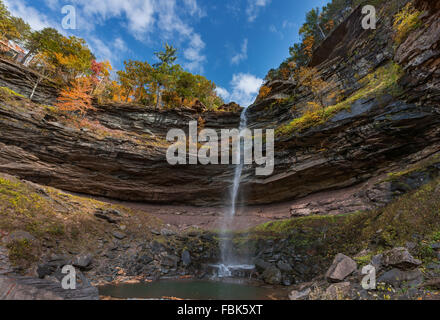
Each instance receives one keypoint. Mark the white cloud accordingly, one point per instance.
(242, 55)
(166, 20)
(120, 44)
(254, 7)
(245, 88)
(223, 93)
(36, 19)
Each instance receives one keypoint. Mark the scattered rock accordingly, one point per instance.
(167, 233)
(341, 268)
(400, 258)
(102, 215)
(300, 295)
(155, 232)
(18, 235)
(436, 246)
(119, 235)
(338, 291)
(83, 262)
(377, 261)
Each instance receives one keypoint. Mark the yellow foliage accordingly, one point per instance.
(405, 21)
(264, 92)
(383, 80)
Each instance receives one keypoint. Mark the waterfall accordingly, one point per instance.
(228, 262)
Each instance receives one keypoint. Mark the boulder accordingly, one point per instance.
(398, 278)
(170, 261)
(341, 268)
(261, 265)
(338, 291)
(400, 258)
(119, 235)
(83, 262)
(283, 266)
(167, 233)
(186, 258)
(272, 275)
(300, 295)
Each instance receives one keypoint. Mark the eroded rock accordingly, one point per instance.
(341, 268)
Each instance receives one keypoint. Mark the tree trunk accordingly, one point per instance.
(35, 88)
(158, 97)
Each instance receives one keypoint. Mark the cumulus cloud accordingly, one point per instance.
(166, 20)
(245, 88)
(36, 19)
(242, 55)
(254, 7)
(223, 93)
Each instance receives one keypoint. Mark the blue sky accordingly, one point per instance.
(231, 42)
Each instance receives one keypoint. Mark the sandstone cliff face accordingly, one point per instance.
(22, 80)
(377, 134)
(129, 164)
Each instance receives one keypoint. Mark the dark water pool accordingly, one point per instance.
(188, 289)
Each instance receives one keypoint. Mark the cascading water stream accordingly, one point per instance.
(228, 261)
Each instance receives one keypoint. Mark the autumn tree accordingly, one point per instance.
(321, 89)
(137, 80)
(7, 28)
(43, 41)
(76, 98)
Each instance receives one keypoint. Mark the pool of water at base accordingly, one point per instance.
(189, 289)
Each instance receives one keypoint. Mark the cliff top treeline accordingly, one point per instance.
(72, 65)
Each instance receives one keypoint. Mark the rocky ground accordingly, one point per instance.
(360, 188)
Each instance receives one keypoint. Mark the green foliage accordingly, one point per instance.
(5, 93)
(168, 82)
(405, 21)
(414, 214)
(22, 252)
(383, 80)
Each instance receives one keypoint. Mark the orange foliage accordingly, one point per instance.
(330, 25)
(77, 98)
(309, 42)
(264, 92)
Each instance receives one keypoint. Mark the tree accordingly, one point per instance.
(23, 29)
(136, 80)
(44, 68)
(163, 70)
(46, 40)
(8, 30)
(320, 88)
(77, 98)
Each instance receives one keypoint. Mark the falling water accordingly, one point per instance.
(228, 261)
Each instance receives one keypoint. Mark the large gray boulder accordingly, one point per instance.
(398, 278)
(400, 258)
(341, 268)
(25, 288)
